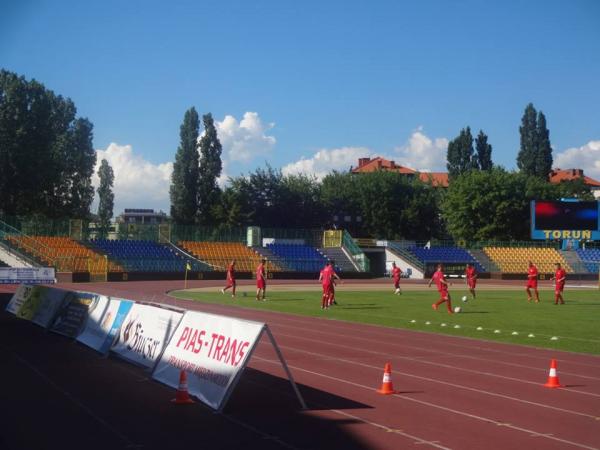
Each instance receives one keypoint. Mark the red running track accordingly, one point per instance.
(453, 392)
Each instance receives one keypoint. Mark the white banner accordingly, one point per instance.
(29, 275)
(145, 333)
(103, 322)
(213, 350)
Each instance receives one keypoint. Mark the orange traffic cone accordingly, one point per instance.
(182, 397)
(553, 377)
(387, 386)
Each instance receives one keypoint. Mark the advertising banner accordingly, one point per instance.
(29, 275)
(70, 319)
(213, 350)
(145, 333)
(103, 323)
(31, 304)
(20, 296)
(51, 301)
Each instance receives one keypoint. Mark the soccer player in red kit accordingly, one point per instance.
(559, 284)
(532, 282)
(396, 272)
(471, 276)
(442, 286)
(261, 281)
(230, 279)
(327, 277)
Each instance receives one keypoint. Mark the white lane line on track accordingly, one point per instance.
(437, 352)
(444, 408)
(395, 332)
(422, 361)
(458, 386)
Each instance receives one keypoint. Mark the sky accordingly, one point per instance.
(311, 86)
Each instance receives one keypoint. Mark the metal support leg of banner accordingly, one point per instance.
(285, 367)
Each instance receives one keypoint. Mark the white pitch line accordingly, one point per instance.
(444, 408)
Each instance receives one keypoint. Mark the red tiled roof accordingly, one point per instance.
(437, 179)
(559, 175)
(366, 165)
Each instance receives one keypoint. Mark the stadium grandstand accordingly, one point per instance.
(162, 250)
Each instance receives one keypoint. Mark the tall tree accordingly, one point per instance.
(460, 153)
(184, 181)
(484, 152)
(543, 160)
(46, 153)
(526, 159)
(106, 197)
(209, 172)
(535, 155)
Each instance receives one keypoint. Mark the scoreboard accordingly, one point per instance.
(565, 219)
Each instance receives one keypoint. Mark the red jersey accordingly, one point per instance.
(560, 276)
(396, 273)
(231, 272)
(260, 271)
(532, 273)
(438, 277)
(327, 275)
(470, 273)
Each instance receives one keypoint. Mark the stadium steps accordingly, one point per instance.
(403, 253)
(484, 260)
(338, 255)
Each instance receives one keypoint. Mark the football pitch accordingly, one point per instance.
(499, 315)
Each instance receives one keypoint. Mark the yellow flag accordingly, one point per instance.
(188, 266)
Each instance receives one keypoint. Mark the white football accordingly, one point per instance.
(464, 299)
(457, 309)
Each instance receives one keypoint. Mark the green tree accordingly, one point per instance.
(535, 155)
(184, 180)
(46, 153)
(543, 161)
(526, 159)
(209, 172)
(106, 197)
(484, 152)
(495, 204)
(460, 153)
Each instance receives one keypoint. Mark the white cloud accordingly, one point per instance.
(422, 153)
(586, 157)
(246, 139)
(325, 160)
(138, 183)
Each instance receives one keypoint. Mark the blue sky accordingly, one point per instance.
(310, 86)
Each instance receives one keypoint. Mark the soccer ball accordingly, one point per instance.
(457, 309)
(464, 299)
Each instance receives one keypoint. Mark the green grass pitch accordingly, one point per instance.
(499, 315)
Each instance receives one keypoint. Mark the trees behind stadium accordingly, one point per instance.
(46, 152)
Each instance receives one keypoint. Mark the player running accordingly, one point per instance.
(261, 281)
(442, 287)
(559, 284)
(230, 279)
(532, 282)
(471, 277)
(396, 272)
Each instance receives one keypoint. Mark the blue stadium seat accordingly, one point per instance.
(141, 256)
(591, 258)
(445, 255)
(301, 258)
